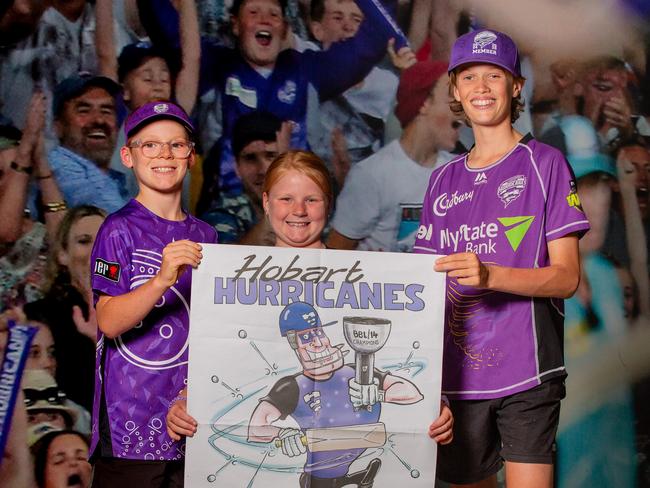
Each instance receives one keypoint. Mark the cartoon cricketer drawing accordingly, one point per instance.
(337, 406)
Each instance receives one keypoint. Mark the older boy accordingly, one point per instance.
(142, 297)
(508, 218)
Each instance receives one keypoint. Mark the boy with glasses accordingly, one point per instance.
(142, 297)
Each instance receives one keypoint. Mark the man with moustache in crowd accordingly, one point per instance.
(86, 125)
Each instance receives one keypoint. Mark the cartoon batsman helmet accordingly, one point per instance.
(299, 316)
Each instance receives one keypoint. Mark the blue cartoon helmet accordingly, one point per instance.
(299, 316)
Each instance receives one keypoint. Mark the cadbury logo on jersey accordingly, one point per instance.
(445, 201)
(107, 269)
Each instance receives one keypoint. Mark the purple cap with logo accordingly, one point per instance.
(485, 46)
(152, 111)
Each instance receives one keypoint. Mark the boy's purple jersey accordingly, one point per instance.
(497, 344)
(142, 370)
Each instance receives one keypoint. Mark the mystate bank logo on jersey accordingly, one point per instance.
(481, 238)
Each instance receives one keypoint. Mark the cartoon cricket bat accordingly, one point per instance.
(346, 437)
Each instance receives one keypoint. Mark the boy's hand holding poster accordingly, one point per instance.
(314, 368)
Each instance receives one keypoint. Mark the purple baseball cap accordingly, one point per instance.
(152, 111)
(485, 46)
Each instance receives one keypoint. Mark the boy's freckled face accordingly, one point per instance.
(261, 29)
(165, 172)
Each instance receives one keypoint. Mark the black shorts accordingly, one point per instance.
(117, 472)
(520, 428)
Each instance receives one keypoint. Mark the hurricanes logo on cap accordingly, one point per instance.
(310, 318)
(484, 38)
(161, 108)
(484, 43)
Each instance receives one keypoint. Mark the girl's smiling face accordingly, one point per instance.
(297, 210)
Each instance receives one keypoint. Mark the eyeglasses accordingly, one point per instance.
(51, 395)
(306, 336)
(153, 149)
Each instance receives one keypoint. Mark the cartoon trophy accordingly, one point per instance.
(366, 335)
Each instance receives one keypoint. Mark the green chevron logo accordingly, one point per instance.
(516, 228)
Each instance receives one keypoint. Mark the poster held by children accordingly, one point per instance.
(313, 368)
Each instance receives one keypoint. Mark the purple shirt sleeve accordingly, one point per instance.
(111, 261)
(564, 215)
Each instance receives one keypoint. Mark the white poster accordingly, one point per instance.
(315, 368)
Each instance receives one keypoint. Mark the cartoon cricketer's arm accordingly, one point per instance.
(261, 429)
(394, 389)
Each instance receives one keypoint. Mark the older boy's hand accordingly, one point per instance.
(441, 429)
(176, 257)
(466, 267)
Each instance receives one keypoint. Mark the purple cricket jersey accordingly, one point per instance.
(324, 403)
(497, 344)
(142, 370)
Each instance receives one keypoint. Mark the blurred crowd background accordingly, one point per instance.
(71, 71)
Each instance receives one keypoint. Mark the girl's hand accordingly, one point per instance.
(441, 429)
(178, 421)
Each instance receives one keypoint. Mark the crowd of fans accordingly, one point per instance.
(263, 76)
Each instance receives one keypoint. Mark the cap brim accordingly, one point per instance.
(461, 62)
(163, 116)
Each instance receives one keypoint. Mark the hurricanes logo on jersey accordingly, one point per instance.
(511, 189)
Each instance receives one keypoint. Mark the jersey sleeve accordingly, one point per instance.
(564, 214)
(358, 204)
(111, 261)
(284, 396)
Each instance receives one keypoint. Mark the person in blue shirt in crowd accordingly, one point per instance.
(259, 75)
(86, 125)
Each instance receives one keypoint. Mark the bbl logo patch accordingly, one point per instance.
(161, 108)
(108, 270)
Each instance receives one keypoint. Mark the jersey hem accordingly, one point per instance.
(508, 390)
